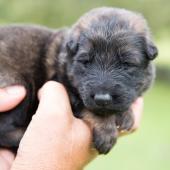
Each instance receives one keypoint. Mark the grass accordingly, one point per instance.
(163, 48)
(149, 147)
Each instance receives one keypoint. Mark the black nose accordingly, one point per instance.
(103, 99)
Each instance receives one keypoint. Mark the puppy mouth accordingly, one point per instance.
(107, 111)
(104, 112)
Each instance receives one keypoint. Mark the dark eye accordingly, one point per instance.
(83, 59)
(129, 59)
(130, 64)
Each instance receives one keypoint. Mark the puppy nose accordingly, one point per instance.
(103, 99)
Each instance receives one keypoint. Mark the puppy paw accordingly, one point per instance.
(125, 121)
(104, 139)
(105, 132)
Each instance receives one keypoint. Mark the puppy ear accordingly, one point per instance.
(151, 50)
(72, 47)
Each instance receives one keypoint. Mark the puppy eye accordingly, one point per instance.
(130, 64)
(130, 59)
(84, 59)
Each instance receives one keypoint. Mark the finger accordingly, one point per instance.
(54, 100)
(137, 109)
(6, 159)
(11, 97)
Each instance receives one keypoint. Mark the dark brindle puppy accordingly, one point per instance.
(104, 61)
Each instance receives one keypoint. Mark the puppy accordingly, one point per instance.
(104, 61)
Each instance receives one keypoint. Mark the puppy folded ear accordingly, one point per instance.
(151, 50)
(72, 47)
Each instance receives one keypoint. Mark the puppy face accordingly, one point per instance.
(109, 65)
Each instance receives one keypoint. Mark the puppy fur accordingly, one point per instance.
(103, 60)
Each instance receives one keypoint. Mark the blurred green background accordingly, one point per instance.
(149, 147)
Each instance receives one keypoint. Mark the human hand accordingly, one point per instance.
(71, 149)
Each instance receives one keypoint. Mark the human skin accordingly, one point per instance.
(55, 139)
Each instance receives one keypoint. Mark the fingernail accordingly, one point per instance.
(15, 90)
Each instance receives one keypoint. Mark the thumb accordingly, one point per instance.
(50, 95)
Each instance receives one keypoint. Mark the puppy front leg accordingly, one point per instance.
(105, 136)
(125, 121)
(105, 132)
